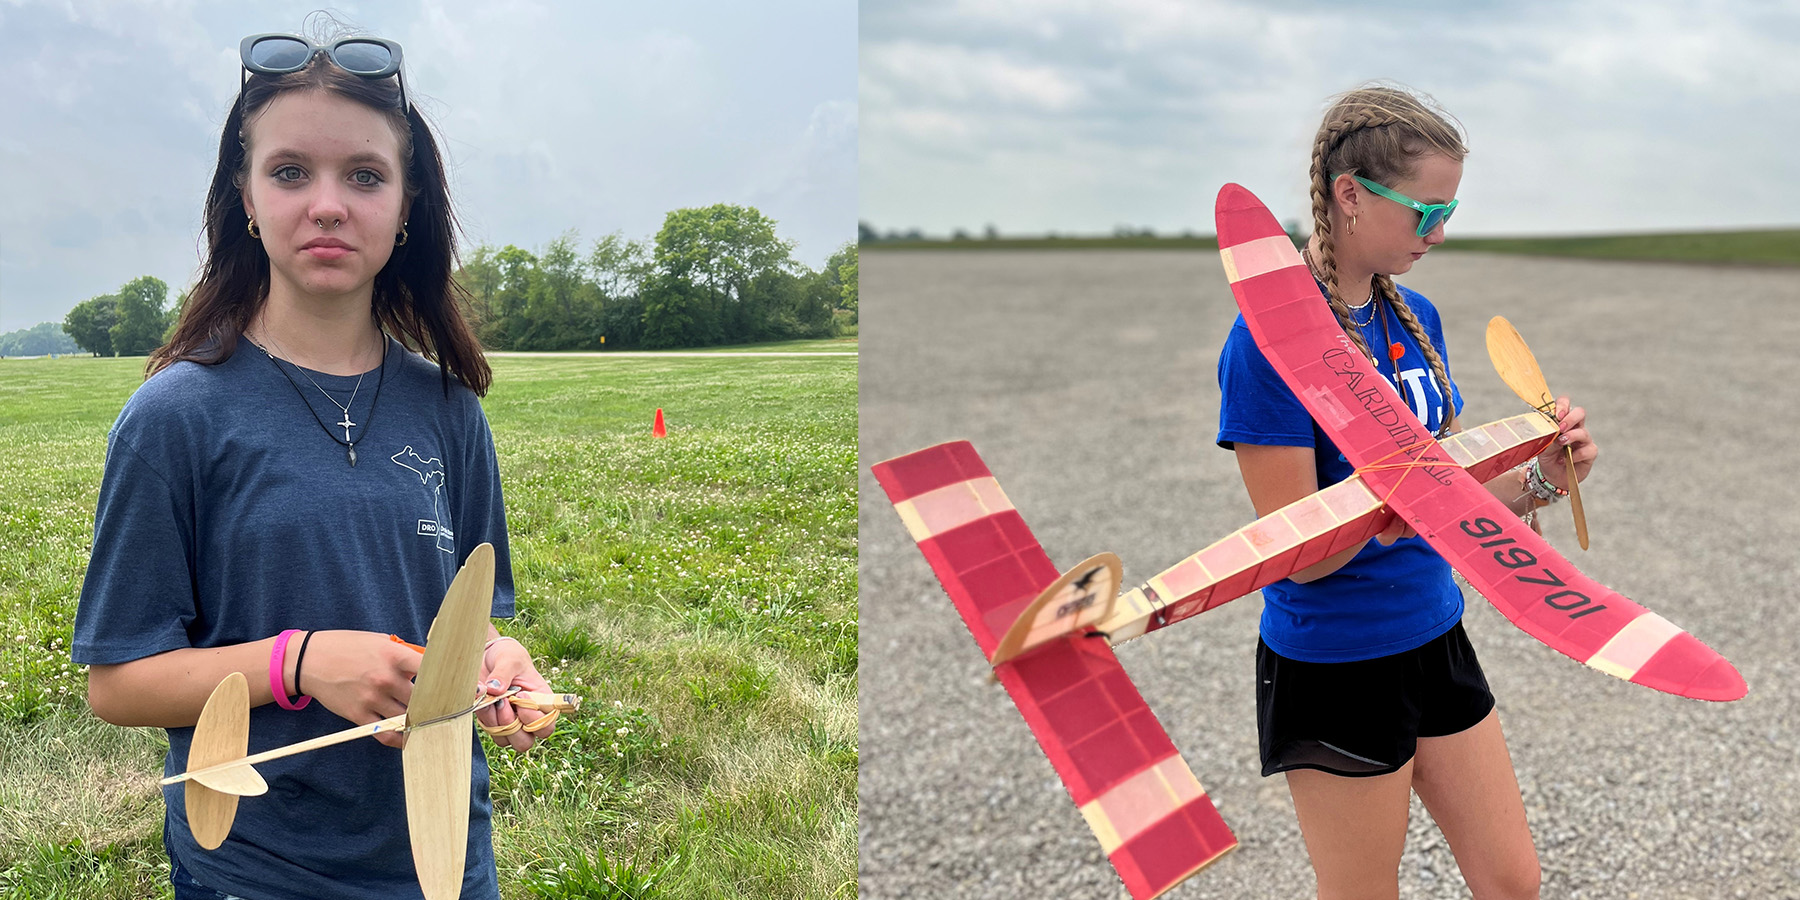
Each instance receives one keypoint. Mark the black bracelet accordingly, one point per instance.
(300, 659)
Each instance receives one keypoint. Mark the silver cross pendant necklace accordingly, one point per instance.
(346, 424)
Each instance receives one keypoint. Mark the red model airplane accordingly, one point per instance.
(1049, 638)
(1517, 570)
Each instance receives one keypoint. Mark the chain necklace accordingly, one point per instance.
(346, 424)
(1306, 255)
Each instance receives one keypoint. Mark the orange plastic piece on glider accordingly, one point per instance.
(657, 430)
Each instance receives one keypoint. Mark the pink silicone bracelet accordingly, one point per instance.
(277, 673)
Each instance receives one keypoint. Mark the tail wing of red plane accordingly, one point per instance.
(1151, 816)
(1527, 580)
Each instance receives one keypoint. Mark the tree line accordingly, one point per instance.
(713, 275)
(42, 339)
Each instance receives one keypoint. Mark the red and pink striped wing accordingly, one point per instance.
(1518, 571)
(1152, 817)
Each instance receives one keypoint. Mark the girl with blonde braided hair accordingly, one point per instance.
(1367, 687)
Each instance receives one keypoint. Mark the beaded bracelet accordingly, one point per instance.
(1539, 486)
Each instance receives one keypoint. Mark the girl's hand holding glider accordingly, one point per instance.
(360, 675)
(1572, 425)
(504, 665)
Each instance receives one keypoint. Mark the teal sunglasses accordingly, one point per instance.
(1431, 215)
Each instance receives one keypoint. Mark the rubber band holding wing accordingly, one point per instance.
(1515, 569)
(1153, 819)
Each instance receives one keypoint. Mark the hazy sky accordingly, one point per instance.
(1081, 115)
(598, 116)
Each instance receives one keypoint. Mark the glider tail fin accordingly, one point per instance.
(221, 735)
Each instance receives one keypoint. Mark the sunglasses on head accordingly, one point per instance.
(279, 54)
(1431, 215)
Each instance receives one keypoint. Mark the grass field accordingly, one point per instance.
(698, 591)
(1769, 246)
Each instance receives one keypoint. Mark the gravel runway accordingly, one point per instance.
(1087, 381)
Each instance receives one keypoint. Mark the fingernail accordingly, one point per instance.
(493, 682)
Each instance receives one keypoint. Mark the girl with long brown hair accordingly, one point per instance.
(299, 478)
(1367, 687)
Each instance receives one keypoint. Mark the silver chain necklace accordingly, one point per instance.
(1306, 256)
(346, 424)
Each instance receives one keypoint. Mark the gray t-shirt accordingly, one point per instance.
(227, 515)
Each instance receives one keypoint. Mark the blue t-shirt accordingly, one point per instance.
(1386, 599)
(226, 516)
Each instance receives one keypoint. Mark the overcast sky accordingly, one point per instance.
(1081, 115)
(598, 116)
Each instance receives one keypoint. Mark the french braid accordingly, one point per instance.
(1376, 131)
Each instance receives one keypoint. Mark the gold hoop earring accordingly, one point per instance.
(402, 241)
(1352, 224)
(252, 229)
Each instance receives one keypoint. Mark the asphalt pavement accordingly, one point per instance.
(1087, 381)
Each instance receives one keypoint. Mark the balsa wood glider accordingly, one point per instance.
(437, 722)
(1049, 637)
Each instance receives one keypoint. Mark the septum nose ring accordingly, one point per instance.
(334, 223)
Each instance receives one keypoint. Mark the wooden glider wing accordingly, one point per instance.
(438, 759)
(1152, 817)
(1518, 571)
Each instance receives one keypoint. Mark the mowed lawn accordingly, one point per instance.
(699, 591)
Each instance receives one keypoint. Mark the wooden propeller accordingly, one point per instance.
(1519, 369)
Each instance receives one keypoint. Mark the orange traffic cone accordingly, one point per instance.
(658, 430)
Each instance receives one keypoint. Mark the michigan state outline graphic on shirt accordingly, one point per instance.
(431, 475)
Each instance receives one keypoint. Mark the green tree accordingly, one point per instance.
(707, 258)
(669, 314)
(841, 270)
(618, 269)
(174, 317)
(618, 266)
(90, 324)
(562, 308)
(479, 277)
(499, 284)
(141, 317)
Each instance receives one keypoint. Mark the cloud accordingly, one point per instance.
(552, 116)
(1075, 116)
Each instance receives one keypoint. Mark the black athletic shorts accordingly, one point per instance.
(1365, 717)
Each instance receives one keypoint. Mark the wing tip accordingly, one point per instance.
(910, 474)
(1688, 668)
(1234, 196)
